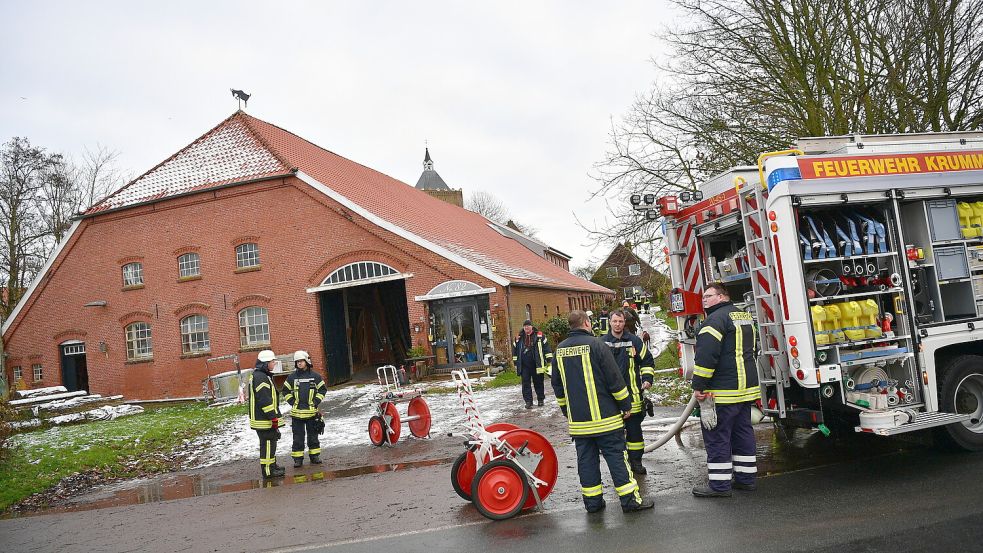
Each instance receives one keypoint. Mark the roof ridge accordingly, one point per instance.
(207, 133)
(247, 121)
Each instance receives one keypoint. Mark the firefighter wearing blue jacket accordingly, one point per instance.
(593, 397)
(264, 413)
(532, 356)
(638, 371)
(725, 370)
(304, 391)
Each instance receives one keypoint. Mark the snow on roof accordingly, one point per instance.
(228, 153)
(244, 148)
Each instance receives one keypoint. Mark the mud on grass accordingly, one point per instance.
(48, 465)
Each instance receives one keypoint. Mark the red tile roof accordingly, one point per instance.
(244, 148)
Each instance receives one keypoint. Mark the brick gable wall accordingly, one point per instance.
(302, 237)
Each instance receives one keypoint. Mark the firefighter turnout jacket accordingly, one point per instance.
(588, 385)
(635, 363)
(725, 363)
(304, 391)
(542, 356)
(264, 403)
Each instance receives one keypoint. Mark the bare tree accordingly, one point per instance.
(24, 234)
(487, 205)
(748, 76)
(585, 271)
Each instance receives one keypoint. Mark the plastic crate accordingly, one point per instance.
(950, 262)
(943, 220)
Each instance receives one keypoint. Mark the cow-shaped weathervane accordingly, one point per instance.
(241, 96)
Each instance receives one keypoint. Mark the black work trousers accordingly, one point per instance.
(531, 378)
(612, 446)
(300, 427)
(267, 448)
(633, 437)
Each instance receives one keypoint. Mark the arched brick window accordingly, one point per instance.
(194, 335)
(139, 343)
(254, 327)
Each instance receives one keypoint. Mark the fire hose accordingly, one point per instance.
(675, 429)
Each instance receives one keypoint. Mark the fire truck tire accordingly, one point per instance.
(462, 474)
(961, 391)
(499, 490)
(377, 431)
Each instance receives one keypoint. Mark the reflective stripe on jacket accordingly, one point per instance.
(588, 385)
(543, 354)
(635, 363)
(725, 363)
(304, 391)
(264, 405)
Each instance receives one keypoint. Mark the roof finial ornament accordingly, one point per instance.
(241, 96)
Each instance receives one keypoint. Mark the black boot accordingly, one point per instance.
(638, 468)
(315, 458)
(632, 507)
(707, 491)
(540, 403)
(528, 405)
(298, 462)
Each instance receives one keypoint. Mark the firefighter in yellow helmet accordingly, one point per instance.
(304, 390)
(264, 413)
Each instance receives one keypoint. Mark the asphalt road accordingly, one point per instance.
(911, 500)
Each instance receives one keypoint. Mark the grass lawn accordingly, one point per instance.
(508, 377)
(41, 458)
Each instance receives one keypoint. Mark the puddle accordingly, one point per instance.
(183, 486)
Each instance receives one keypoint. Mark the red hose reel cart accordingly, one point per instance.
(505, 469)
(385, 425)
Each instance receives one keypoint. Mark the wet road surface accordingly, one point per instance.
(368, 493)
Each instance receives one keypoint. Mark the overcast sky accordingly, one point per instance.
(513, 98)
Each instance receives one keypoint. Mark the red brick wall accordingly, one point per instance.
(302, 235)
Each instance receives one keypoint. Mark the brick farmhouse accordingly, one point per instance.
(251, 238)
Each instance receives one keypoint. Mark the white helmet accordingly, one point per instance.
(266, 356)
(301, 354)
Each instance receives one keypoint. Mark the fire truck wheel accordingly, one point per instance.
(377, 430)
(462, 474)
(961, 391)
(499, 490)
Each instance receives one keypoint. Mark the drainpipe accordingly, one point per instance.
(508, 320)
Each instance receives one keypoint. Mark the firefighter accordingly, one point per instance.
(532, 356)
(264, 413)
(601, 326)
(646, 305)
(304, 390)
(593, 397)
(725, 371)
(638, 371)
(632, 322)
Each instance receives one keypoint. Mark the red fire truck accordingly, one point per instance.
(861, 258)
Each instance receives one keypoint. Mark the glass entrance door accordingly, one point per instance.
(463, 321)
(457, 340)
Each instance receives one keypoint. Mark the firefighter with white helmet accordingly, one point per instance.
(304, 390)
(264, 413)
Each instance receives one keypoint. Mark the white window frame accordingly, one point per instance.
(189, 265)
(634, 269)
(247, 255)
(38, 372)
(139, 341)
(133, 274)
(194, 335)
(18, 372)
(254, 326)
(612, 271)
